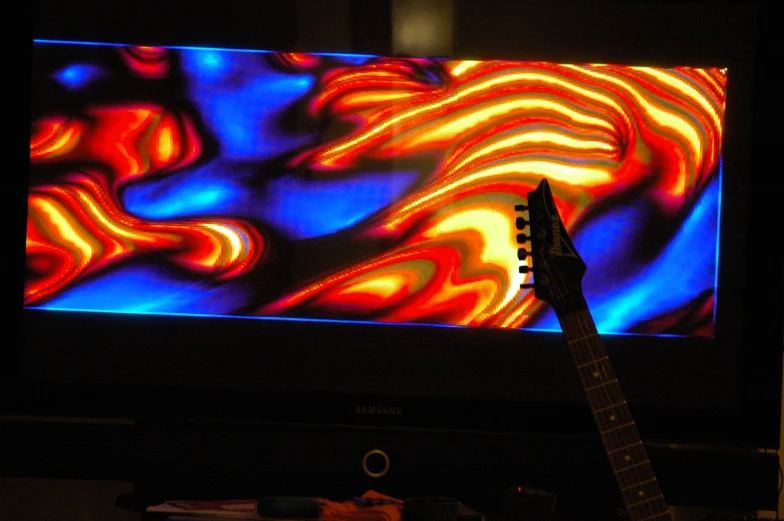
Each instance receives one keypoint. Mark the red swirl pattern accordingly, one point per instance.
(296, 60)
(147, 62)
(596, 132)
(75, 229)
(130, 142)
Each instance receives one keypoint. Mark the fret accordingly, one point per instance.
(582, 338)
(634, 466)
(600, 385)
(604, 395)
(648, 500)
(665, 516)
(639, 492)
(585, 351)
(638, 485)
(635, 474)
(620, 449)
(656, 508)
(579, 327)
(620, 436)
(609, 407)
(595, 372)
(612, 417)
(580, 366)
(613, 429)
(628, 456)
(626, 453)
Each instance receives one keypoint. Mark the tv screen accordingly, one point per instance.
(307, 186)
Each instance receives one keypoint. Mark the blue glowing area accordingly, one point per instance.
(212, 189)
(718, 237)
(348, 58)
(242, 99)
(297, 207)
(611, 266)
(44, 41)
(304, 208)
(207, 64)
(618, 304)
(240, 317)
(218, 316)
(147, 290)
(78, 75)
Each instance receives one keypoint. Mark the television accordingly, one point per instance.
(229, 224)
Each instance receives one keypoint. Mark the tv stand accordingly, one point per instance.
(221, 459)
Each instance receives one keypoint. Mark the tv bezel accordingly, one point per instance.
(132, 381)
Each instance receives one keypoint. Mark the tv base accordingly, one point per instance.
(214, 459)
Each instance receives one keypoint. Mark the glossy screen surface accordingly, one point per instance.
(362, 188)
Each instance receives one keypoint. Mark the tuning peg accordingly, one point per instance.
(521, 223)
(527, 286)
(522, 253)
(523, 238)
(525, 269)
(521, 207)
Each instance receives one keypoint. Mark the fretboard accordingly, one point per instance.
(625, 451)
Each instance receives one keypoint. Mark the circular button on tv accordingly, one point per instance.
(375, 463)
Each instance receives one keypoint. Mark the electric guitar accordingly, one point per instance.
(557, 272)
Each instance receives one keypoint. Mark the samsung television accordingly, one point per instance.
(328, 237)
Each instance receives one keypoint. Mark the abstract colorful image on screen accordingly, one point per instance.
(363, 188)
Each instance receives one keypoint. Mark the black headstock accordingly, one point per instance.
(557, 268)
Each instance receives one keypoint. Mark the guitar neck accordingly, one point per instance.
(625, 451)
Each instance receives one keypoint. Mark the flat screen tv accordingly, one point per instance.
(326, 234)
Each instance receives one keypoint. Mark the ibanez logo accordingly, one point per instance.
(555, 248)
(378, 410)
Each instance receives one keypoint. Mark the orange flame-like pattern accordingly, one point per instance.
(147, 62)
(596, 132)
(75, 229)
(129, 141)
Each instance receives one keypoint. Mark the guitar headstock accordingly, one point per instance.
(557, 268)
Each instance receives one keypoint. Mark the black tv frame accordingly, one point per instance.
(754, 427)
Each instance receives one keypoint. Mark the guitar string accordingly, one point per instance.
(586, 328)
(649, 507)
